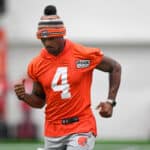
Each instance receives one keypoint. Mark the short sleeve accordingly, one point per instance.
(95, 55)
(31, 71)
(87, 58)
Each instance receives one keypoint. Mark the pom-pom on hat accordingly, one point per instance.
(50, 24)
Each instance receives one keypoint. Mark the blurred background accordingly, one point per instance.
(119, 28)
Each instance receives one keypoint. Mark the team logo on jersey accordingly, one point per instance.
(82, 63)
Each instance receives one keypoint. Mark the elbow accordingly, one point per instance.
(38, 106)
(118, 68)
(41, 106)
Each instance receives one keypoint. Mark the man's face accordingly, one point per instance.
(53, 45)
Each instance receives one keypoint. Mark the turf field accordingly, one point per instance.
(106, 145)
(97, 147)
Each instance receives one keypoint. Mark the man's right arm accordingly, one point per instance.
(36, 99)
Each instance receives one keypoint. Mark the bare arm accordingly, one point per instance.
(114, 69)
(36, 99)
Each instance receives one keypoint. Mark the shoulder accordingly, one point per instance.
(34, 61)
(33, 65)
(86, 52)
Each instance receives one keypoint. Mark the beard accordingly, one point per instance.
(53, 51)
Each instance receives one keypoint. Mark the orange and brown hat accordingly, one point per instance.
(50, 24)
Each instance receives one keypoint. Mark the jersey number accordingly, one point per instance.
(63, 86)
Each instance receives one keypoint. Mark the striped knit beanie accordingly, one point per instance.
(50, 25)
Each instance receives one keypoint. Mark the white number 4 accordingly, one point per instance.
(61, 73)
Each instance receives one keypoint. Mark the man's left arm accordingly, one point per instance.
(114, 69)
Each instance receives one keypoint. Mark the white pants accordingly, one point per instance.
(80, 141)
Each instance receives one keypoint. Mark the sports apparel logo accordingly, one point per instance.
(82, 63)
(44, 33)
(82, 141)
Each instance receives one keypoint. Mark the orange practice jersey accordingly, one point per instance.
(66, 80)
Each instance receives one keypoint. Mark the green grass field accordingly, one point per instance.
(100, 145)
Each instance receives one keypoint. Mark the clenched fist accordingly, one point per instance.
(19, 89)
(105, 109)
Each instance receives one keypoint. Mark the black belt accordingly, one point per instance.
(70, 120)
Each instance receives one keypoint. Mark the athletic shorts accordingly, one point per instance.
(80, 141)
